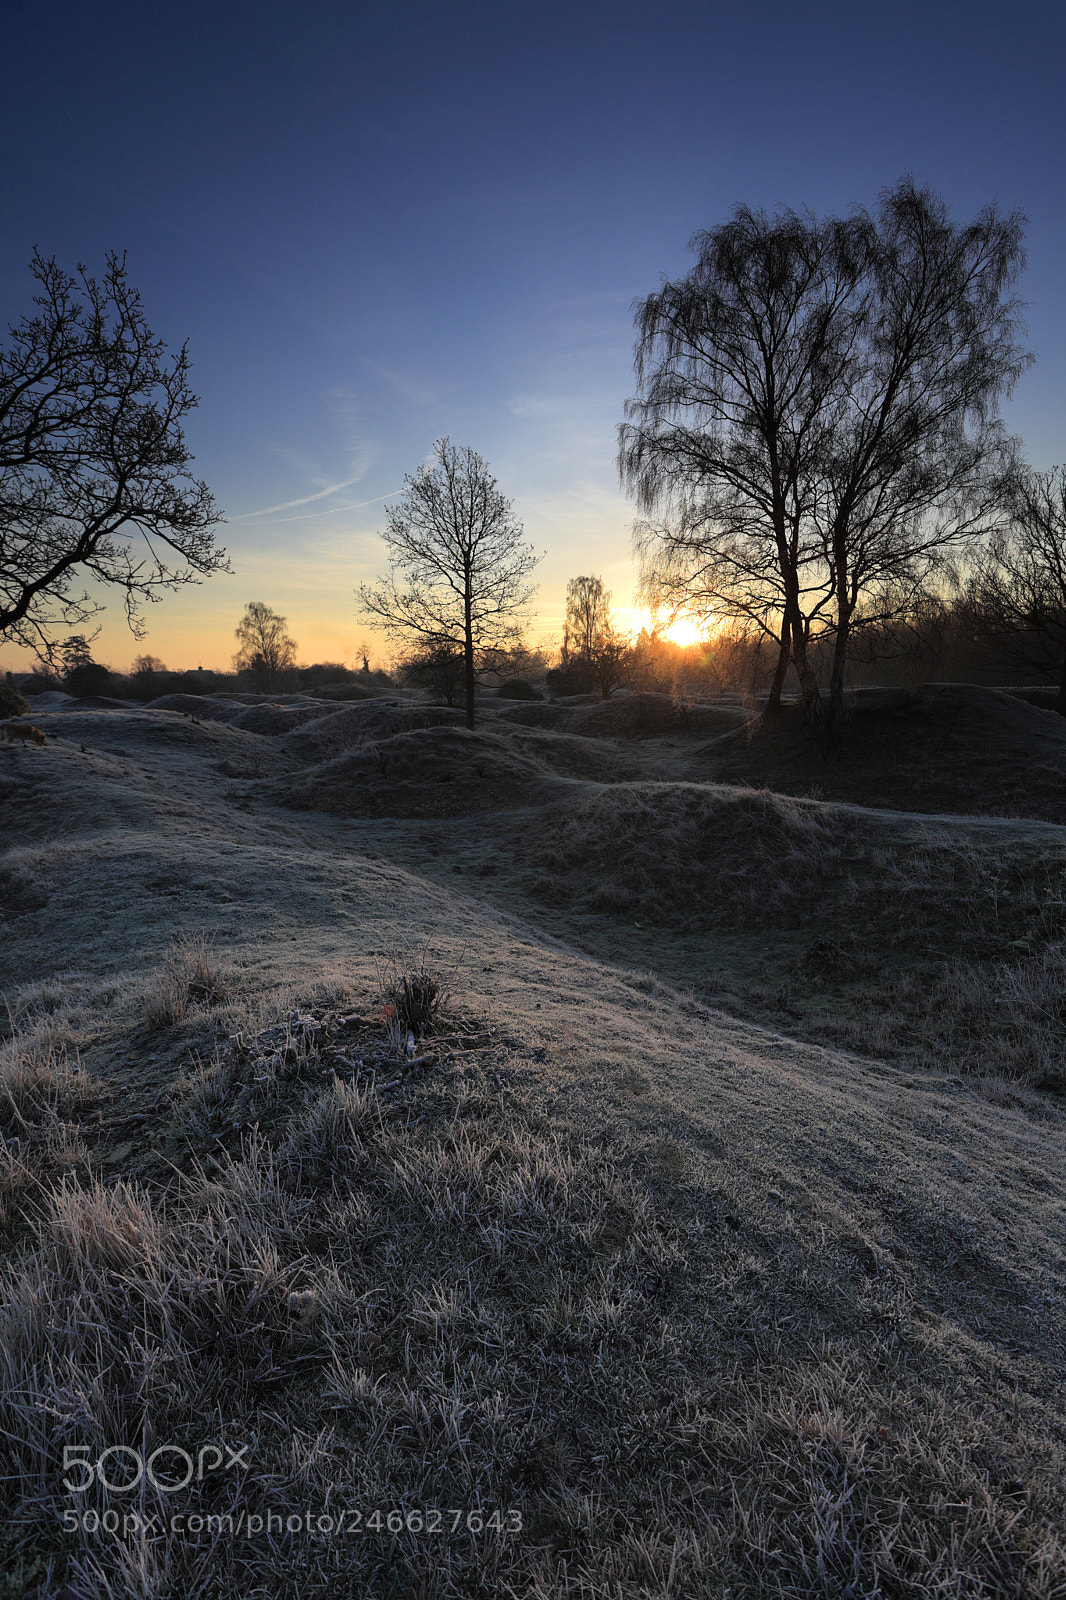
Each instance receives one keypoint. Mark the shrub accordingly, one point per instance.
(518, 689)
(11, 702)
(87, 679)
(575, 679)
(192, 977)
(322, 672)
(413, 994)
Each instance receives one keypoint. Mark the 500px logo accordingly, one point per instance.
(120, 1468)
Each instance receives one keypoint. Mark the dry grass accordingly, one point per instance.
(433, 1297)
(714, 1311)
(1002, 1020)
(670, 853)
(43, 1089)
(193, 977)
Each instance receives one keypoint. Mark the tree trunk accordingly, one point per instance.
(773, 704)
(812, 697)
(468, 660)
(836, 712)
(1060, 703)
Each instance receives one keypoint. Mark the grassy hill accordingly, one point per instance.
(705, 1238)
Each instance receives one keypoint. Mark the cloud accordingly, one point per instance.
(327, 511)
(287, 505)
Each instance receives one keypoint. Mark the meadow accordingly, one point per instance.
(612, 1152)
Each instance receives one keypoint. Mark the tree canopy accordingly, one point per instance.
(460, 568)
(95, 485)
(817, 422)
(266, 651)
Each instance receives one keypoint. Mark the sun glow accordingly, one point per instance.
(683, 631)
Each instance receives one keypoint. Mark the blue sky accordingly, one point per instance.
(377, 224)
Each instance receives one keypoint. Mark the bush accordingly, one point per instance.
(11, 702)
(88, 679)
(192, 977)
(414, 994)
(438, 670)
(322, 672)
(518, 689)
(576, 679)
(41, 683)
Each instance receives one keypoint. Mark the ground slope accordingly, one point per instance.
(707, 1308)
(944, 748)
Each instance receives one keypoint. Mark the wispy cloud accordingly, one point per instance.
(327, 511)
(305, 500)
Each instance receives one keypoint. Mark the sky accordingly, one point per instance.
(378, 224)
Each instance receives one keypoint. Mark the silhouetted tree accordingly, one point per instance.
(817, 422)
(266, 651)
(588, 612)
(1015, 598)
(92, 455)
(590, 639)
(459, 565)
(438, 669)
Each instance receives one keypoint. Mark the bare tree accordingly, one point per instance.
(460, 567)
(1015, 597)
(736, 365)
(914, 455)
(266, 651)
(817, 424)
(93, 460)
(590, 638)
(588, 612)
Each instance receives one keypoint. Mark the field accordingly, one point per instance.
(614, 1153)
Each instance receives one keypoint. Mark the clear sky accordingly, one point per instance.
(380, 223)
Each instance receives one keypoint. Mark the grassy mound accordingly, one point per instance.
(699, 854)
(407, 1290)
(945, 748)
(210, 707)
(446, 771)
(348, 691)
(274, 719)
(362, 723)
(652, 716)
(685, 853)
(529, 715)
(428, 772)
(629, 716)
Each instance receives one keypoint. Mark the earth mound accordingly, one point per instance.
(653, 716)
(195, 705)
(102, 702)
(530, 715)
(690, 855)
(51, 697)
(944, 748)
(628, 716)
(423, 772)
(274, 719)
(364, 722)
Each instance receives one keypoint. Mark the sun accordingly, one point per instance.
(683, 631)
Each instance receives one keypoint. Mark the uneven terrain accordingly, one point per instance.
(705, 1236)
